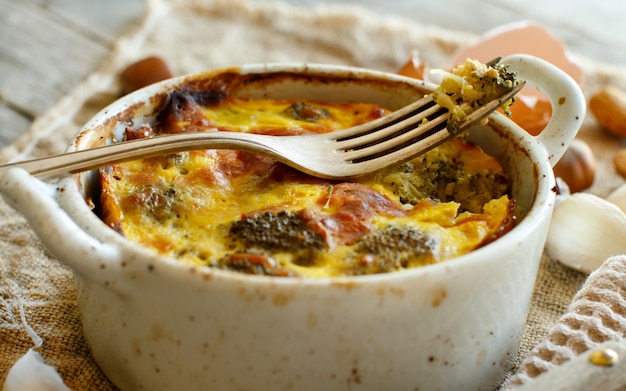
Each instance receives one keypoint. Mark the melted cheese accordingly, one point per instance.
(188, 205)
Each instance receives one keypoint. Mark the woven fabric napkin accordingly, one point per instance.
(197, 35)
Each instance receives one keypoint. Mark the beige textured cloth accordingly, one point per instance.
(197, 35)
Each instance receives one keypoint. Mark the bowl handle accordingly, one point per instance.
(40, 203)
(566, 97)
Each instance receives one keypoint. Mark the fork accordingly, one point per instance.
(352, 152)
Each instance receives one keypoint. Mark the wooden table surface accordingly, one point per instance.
(47, 47)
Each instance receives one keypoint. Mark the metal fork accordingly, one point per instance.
(372, 146)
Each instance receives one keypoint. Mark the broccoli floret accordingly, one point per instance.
(443, 177)
(275, 231)
(264, 235)
(156, 200)
(412, 184)
(390, 249)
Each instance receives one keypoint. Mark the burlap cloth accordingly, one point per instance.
(196, 35)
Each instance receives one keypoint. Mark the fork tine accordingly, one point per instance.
(486, 109)
(421, 104)
(412, 138)
(404, 154)
(393, 129)
(394, 137)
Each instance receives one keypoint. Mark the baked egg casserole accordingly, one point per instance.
(248, 213)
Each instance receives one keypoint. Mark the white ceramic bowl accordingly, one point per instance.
(155, 324)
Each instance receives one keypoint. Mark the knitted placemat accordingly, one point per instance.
(198, 35)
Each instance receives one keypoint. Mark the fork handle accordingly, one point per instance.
(89, 159)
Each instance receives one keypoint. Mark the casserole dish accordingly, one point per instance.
(154, 323)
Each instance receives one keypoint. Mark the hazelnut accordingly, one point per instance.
(577, 167)
(145, 72)
(608, 105)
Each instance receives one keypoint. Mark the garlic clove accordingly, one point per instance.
(577, 166)
(618, 197)
(31, 373)
(585, 231)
